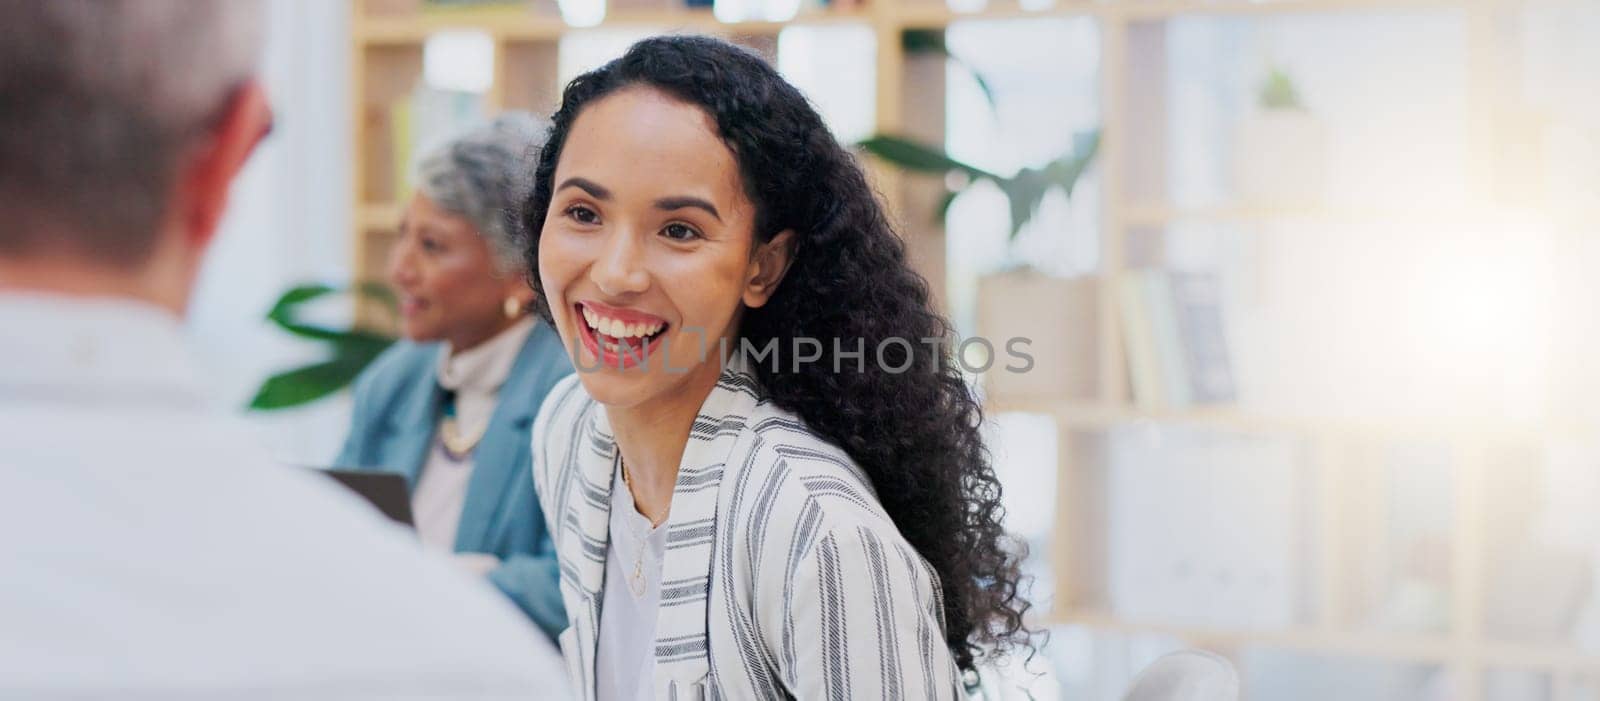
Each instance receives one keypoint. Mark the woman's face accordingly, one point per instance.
(445, 274)
(647, 249)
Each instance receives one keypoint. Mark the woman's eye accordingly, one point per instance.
(431, 245)
(680, 232)
(582, 214)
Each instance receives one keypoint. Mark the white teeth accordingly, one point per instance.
(617, 329)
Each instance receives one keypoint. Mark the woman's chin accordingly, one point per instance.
(618, 389)
(417, 333)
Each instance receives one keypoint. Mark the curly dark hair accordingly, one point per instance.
(915, 433)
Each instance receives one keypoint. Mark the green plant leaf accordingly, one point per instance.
(1086, 143)
(923, 41)
(1024, 191)
(351, 349)
(378, 291)
(1278, 92)
(983, 85)
(283, 311)
(360, 347)
(296, 296)
(312, 382)
(1065, 171)
(931, 41)
(944, 205)
(303, 385)
(918, 157)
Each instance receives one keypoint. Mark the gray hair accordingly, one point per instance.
(100, 98)
(485, 175)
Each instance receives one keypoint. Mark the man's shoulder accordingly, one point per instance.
(216, 558)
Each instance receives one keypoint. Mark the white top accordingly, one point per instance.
(626, 658)
(475, 375)
(150, 552)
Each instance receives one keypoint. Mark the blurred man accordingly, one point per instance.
(145, 551)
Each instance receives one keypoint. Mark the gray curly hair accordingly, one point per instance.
(485, 175)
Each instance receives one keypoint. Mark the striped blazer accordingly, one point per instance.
(783, 578)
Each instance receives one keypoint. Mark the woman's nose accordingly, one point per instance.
(402, 270)
(620, 268)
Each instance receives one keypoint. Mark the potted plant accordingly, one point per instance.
(1281, 148)
(1021, 310)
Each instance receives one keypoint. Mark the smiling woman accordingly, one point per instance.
(745, 529)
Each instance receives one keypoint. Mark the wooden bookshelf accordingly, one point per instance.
(386, 39)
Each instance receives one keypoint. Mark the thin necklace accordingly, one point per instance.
(636, 580)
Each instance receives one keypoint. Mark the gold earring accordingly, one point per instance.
(513, 308)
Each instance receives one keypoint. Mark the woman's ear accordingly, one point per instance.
(767, 268)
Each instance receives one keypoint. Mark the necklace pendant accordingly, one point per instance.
(456, 446)
(636, 582)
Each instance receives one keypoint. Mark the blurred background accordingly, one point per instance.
(1307, 285)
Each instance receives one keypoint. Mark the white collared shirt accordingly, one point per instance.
(150, 552)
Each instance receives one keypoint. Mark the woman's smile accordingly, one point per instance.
(618, 337)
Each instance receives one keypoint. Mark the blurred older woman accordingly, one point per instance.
(450, 406)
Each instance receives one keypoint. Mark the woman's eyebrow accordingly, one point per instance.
(668, 204)
(588, 186)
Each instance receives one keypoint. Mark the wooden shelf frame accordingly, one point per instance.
(384, 45)
(529, 26)
(1400, 647)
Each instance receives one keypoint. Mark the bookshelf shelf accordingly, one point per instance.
(1397, 647)
(526, 25)
(1146, 214)
(529, 24)
(1141, 10)
(932, 15)
(1098, 416)
(409, 29)
(378, 217)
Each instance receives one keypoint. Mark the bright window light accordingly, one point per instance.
(835, 66)
(457, 60)
(583, 13)
(587, 50)
(735, 10)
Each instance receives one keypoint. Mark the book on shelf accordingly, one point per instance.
(1174, 338)
(423, 119)
(1138, 343)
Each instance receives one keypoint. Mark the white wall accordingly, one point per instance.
(288, 222)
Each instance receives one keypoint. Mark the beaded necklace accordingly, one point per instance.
(455, 445)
